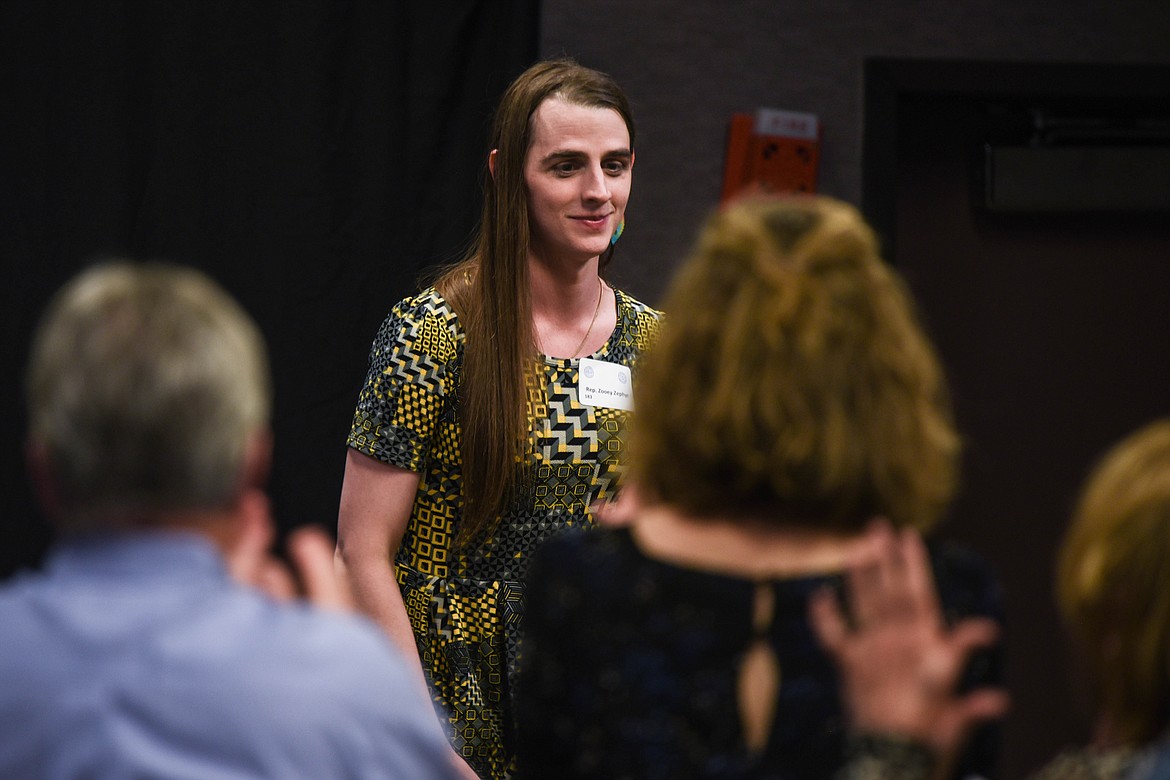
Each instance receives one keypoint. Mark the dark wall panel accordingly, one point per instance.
(315, 157)
(1050, 326)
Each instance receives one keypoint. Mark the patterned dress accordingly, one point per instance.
(466, 606)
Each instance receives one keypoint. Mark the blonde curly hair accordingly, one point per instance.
(1113, 582)
(792, 381)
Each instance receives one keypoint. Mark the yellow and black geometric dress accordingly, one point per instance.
(466, 607)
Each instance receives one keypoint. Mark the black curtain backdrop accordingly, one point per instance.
(315, 157)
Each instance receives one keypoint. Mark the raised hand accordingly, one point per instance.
(899, 661)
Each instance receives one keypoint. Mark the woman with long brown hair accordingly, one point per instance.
(493, 412)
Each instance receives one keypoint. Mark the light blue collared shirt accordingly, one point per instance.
(136, 656)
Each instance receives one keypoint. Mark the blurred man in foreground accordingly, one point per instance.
(141, 650)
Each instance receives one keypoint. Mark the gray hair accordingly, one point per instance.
(144, 386)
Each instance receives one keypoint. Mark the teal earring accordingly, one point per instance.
(617, 233)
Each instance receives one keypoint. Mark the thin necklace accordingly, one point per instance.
(596, 309)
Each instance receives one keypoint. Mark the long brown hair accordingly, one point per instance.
(489, 290)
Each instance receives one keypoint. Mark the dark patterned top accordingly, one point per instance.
(630, 667)
(1090, 764)
(882, 758)
(466, 607)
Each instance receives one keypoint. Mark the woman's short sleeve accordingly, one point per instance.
(409, 388)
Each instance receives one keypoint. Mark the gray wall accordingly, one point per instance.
(689, 65)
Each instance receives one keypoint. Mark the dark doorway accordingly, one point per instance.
(1050, 319)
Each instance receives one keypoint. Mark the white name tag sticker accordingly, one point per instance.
(604, 384)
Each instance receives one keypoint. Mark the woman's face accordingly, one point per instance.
(578, 174)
